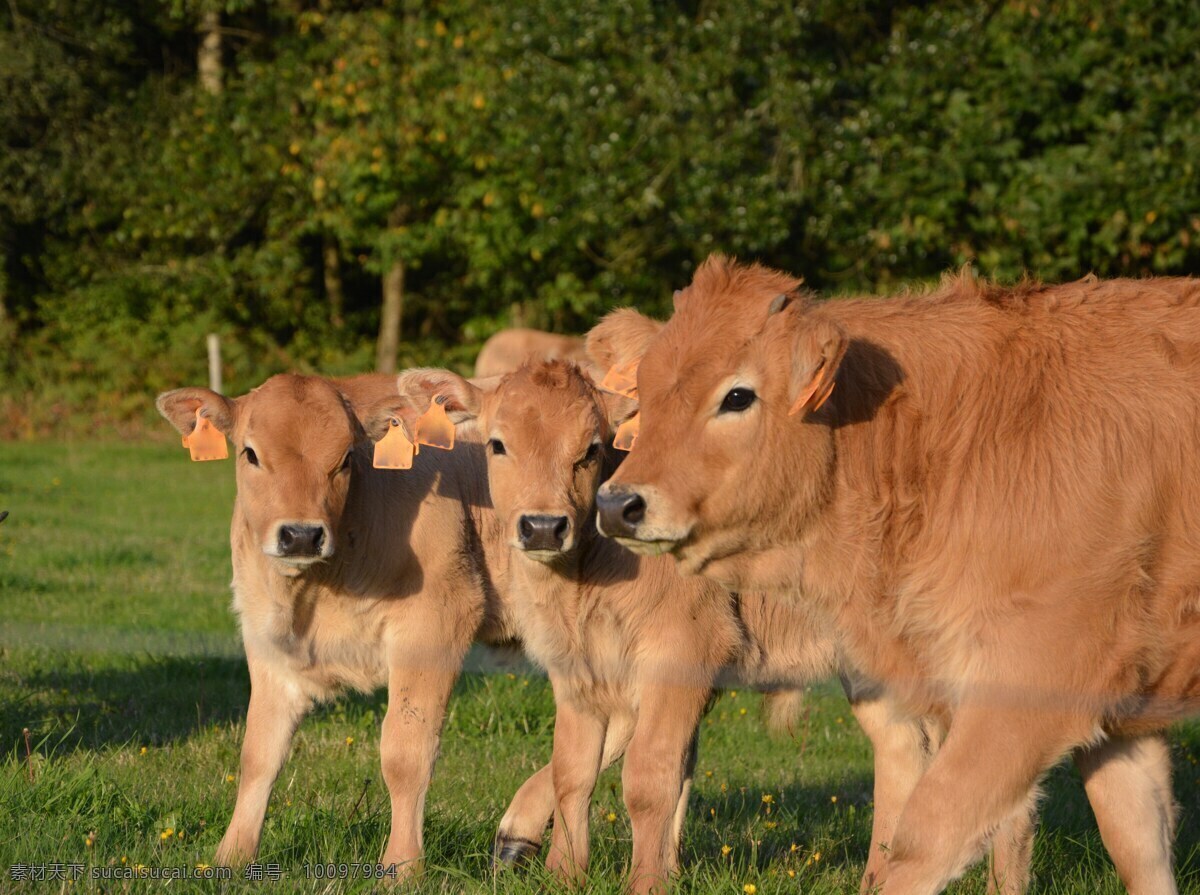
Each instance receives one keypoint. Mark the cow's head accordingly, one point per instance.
(297, 441)
(735, 451)
(547, 429)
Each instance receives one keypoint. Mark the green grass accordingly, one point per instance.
(118, 652)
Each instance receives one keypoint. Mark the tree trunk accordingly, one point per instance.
(208, 60)
(389, 322)
(4, 328)
(331, 257)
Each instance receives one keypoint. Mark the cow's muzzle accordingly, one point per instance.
(301, 542)
(626, 514)
(620, 511)
(543, 533)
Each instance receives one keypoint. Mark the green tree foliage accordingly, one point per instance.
(539, 162)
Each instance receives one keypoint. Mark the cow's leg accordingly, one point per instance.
(655, 777)
(1012, 850)
(578, 752)
(424, 659)
(276, 707)
(519, 838)
(689, 772)
(521, 829)
(981, 776)
(901, 748)
(1128, 782)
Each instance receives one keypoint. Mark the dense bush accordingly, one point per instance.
(539, 162)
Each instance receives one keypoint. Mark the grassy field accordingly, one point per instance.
(119, 655)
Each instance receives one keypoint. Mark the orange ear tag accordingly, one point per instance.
(434, 427)
(393, 451)
(807, 396)
(206, 441)
(621, 380)
(627, 433)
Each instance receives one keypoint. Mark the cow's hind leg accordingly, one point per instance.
(1128, 782)
(689, 772)
(519, 838)
(902, 750)
(1012, 850)
(276, 707)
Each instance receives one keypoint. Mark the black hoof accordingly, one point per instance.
(513, 852)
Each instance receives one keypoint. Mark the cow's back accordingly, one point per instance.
(508, 349)
(1001, 448)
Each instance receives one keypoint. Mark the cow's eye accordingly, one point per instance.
(251, 457)
(346, 462)
(737, 400)
(593, 452)
(496, 446)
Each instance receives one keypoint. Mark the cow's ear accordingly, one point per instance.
(617, 407)
(179, 408)
(463, 398)
(620, 339)
(818, 346)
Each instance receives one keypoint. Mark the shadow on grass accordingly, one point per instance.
(75, 703)
(151, 700)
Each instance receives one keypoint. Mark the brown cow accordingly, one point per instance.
(631, 648)
(343, 576)
(508, 349)
(996, 505)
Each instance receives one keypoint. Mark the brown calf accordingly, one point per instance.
(994, 494)
(508, 349)
(343, 576)
(631, 648)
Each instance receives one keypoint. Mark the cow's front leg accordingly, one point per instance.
(981, 776)
(657, 776)
(578, 753)
(276, 707)
(421, 673)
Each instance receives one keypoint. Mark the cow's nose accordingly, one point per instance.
(620, 512)
(543, 532)
(301, 540)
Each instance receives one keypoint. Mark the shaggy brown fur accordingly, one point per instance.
(997, 507)
(508, 349)
(632, 649)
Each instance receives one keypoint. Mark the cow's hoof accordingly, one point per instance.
(514, 852)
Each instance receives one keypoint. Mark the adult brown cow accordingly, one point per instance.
(508, 349)
(344, 576)
(994, 493)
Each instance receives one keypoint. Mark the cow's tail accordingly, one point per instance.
(783, 710)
